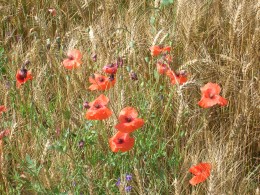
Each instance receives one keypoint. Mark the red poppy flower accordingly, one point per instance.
(162, 68)
(110, 68)
(201, 172)
(98, 110)
(22, 76)
(3, 109)
(157, 50)
(180, 77)
(128, 120)
(100, 82)
(4, 133)
(210, 96)
(121, 142)
(73, 60)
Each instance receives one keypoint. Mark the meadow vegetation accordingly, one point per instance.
(53, 149)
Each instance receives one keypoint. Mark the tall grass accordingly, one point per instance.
(214, 41)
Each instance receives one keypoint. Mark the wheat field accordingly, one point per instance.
(53, 149)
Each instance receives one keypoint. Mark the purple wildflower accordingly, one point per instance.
(128, 188)
(128, 177)
(118, 182)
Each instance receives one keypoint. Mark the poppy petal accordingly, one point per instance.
(75, 53)
(168, 48)
(215, 88)
(127, 112)
(125, 127)
(100, 114)
(155, 50)
(197, 179)
(93, 87)
(3, 109)
(102, 99)
(207, 102)
(221, 101)
(126, 145)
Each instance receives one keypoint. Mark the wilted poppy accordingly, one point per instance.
(157, 50)
(162, 67)
(52, 11)
(110, 68)
(128, 120)
(22, 76)
(98, 110)
(100, 82)
(73, 60)
(201, 172)
(2, 109)
(4, 133)
(210, 96)
(177, 77)
(121, 142)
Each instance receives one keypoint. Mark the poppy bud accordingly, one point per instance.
(94, 57)
(22, 74)
(86, 105)
(133, 76)
(111, 77)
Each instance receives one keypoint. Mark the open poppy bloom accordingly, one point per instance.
(180, 77)
(22, 76)
(98, 110)
(157, 50)
(4, 133)
(201, 172)
(3, 109)
(162, 67)
(210, 96)
(121, 142)
(100, 82)
(128, 120)
(73, 60)
(110, 68)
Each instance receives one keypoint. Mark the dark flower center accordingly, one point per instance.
(97, 106)
(120, 141)
(71, 57)
(22, 73)
(128, 119)
(101, 79)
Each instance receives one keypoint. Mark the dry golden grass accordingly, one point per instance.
(215, 41)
